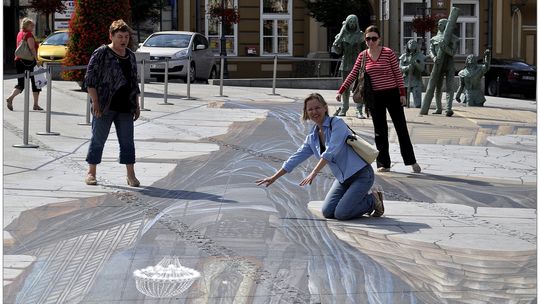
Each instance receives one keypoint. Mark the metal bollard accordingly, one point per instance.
(48, 107)
(166, 84)
(222, 68)
(274, 77)
(88, 109)
(142, 86)
(188, 81)
(26, 122)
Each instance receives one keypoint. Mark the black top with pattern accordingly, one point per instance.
(120, 101)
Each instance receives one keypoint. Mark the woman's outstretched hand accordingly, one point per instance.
(338, 97)
(308, 180)
(266, 181)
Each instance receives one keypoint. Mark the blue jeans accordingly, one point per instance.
(101, 127)
(350, 199)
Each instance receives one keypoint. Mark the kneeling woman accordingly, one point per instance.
(350, 196)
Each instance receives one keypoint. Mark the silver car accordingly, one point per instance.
(177, 47)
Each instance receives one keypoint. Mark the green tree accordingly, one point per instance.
(48, 7)
(144, 10)
(89, 29)
(331, 13)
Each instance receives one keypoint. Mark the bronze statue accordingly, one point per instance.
(470, 80)
(412, 64)
(442, 49)
(349, 43)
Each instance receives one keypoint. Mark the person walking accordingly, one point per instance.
(22, 65)
(389, 94)
(351, 194)
(111, 82)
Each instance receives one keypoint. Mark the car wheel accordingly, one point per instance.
(493, 88)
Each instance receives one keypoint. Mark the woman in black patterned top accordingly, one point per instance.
(111, 82)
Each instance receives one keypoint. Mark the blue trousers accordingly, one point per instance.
(350, 199)
(101, 127)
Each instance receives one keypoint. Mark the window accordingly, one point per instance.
(467, 26)
(276, 27)
(213, 31)
(410, 9)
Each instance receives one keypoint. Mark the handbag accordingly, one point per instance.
(364, 149)
(362, 90)
(23, 51)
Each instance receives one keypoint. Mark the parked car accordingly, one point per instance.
(54, 47)
(510, 76)
(178, 46)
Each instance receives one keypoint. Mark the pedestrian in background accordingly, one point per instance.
(25, 33)
(351, 195)
(111, 82)
(389, 94)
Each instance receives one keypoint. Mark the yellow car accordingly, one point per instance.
(54, 47)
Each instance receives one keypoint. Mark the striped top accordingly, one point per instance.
(384, 72)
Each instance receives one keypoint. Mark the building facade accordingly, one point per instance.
(283, 28)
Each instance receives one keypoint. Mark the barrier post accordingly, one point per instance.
(166, 84)
(88, 109)
(188, 80)
(274, 77)
(48, 107)
(142, 86)
(221, 70)
(26, 113)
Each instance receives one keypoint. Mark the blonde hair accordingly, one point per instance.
(119, 26)
(26, 22)
(313, 96)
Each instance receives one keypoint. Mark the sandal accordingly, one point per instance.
(90, 180)
(133, 182)
(9, 104)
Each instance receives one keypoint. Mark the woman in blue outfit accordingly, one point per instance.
(350, 196)
(111, 82)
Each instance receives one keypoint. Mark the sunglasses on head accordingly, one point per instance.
(374, 39)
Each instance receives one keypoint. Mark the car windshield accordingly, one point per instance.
(57, 39)
(168, 40)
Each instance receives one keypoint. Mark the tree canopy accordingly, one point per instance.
(331, 13)
(89, 29)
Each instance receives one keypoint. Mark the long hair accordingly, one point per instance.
(317, 97)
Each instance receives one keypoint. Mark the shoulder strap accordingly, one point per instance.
(331, 118)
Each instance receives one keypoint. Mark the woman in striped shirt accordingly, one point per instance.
(389, 94)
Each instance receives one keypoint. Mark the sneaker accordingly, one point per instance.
(379, 205)
(383, 169)
(90, 180)
(416, 168)
(449, 113)
(360, 116)
(38, 108)
(437, 112)
(342, 114)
